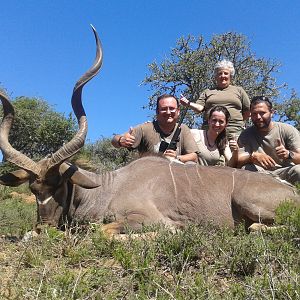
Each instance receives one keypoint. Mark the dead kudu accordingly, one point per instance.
(148, 191)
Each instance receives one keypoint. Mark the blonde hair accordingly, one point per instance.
(225, 64)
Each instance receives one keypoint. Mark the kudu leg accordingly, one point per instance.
(113, 228)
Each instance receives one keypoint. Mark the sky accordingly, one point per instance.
(47, 45)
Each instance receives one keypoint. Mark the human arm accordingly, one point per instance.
(125, 140)
(257, 158)
(182, 157)
(285, 154)
(245, 104)
(198, 108)
(188, 157)
(295, 157)
(187, 148)
(231, 153)
(249, 154)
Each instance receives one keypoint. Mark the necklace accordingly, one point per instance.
(211, 146)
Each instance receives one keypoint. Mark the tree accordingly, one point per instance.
(37, 129)
(289, 110)
(189, 70)
(104, 156)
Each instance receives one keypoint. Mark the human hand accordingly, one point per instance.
(183, 101)
(170, 153)
(127, 140)
(233, 145)
(281, 152)
(263, 159)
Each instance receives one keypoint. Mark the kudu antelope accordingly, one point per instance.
(149, 190)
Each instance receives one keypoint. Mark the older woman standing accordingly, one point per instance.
(234, 98)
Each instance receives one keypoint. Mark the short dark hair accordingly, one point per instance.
(163, 97)
(261, 99)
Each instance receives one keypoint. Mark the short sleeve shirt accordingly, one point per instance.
(234, 98)
(148, 137)
(207, 157)
(251, 140)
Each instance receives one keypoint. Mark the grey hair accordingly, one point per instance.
(225, 64)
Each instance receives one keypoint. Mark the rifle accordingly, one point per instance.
(175, 139)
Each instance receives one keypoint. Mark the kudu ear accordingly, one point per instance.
(71, 172)
(14, 178)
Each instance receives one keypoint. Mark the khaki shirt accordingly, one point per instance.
(235, 99)
(251, 140)
(208, 156)
(148, 137)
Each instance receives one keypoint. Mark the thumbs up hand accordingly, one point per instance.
(279, 143)
(130, 131)
(233, 144)
(183, 101)
(281, 152)
(128, 138)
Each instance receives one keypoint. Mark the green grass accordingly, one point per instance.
(16, 216)
(199, 262)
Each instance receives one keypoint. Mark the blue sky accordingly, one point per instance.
(47, 45)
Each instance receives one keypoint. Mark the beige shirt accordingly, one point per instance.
(251, 140)
(148, 138)
(235, 99)
(209, 156)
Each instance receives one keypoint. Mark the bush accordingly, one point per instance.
(37, 129)
(104, 156)
(16, 216)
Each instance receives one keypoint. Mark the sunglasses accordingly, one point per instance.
(166, 109)
(261, 98)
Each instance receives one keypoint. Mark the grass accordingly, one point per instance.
(199, 262)
(16, 216)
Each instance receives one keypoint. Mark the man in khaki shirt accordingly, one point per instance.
(269, 146)
(148, 137)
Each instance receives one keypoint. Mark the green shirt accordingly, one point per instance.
(235, 99)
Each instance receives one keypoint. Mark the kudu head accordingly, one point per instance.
(50, 178)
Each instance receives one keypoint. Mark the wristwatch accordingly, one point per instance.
(291, 155)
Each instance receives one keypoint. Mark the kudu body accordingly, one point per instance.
(148, 191)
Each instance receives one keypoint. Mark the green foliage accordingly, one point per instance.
(16, 216)
(179, 250)
(103, 246)
(38, 130)
(105, 156)
(190, 66)
(6, 167)
(289, 110)
(289, 214)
